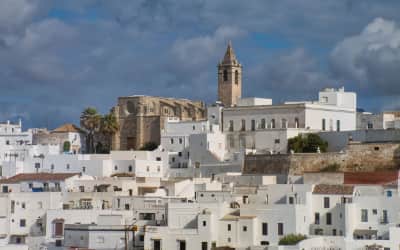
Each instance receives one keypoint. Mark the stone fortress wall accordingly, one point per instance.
(357, 157)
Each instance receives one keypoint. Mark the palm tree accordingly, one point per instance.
(90, 121)
(109, 126)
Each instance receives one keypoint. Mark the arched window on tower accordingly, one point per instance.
(236, 77)
(225, 75)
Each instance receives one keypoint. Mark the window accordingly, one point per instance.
(180, 154)
(326, 202)
(389, 193)
(130, 168)
(328, 219)
(243, 125)
(374, 211)
(182, 245)
(230, 125)
(5, 189)
(291, 200)
(370, 125)
(253, 125)
(323, 124)
(273, 123)
(229, 227)
(84, 169)
(31, 185)
(172, 140)
(141, 237)
(236, 77)
(225, 75)
(22, 223)
(337, 125)
(126, 206)
(364, 215)
(296, 122)
(204, 223)
(67, 166)
(283, 125)
(334, 232)
(180, 140)
(262, 124)
(277, 141)
(23, 205)
(384, 217)
(147, 216)
(147, 168)
(52, 166)
(204, 245)
(264, 243)
(264, 226)
(316, 218)
(280, 228)
(244, 228)
(115, 167)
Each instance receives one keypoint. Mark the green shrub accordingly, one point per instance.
(292, 239)
(307, 143)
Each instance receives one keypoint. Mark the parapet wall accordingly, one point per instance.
(357, 157)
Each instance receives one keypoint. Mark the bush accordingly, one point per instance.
(149, 146)
(292, 239)
(308, 143)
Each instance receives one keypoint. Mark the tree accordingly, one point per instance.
(67, 146)
(149, 146)
(307, 143)
(291, 239)
(90, 121)
(108, 127)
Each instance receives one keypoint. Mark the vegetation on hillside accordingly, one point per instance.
(291, 239)
(307, 143)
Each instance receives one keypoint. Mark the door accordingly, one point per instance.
(157, 245)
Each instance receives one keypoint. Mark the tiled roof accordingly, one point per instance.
(38, 177)
(333, 189)
(377, 178)
(67, 128)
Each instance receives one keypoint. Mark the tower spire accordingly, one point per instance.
(230, 57)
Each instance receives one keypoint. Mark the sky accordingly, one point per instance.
(58, 57)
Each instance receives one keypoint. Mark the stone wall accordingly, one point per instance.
(357, 157)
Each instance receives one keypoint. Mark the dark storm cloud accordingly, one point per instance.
(57, 57)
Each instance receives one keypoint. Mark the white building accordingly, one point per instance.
(267, 127)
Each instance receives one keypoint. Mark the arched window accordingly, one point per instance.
(225, 75)
(273, 123)
(263, 123)
(296, 122)
(283, 125)
(236, 77)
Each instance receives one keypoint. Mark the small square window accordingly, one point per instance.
(22, 223)
(374, 211)
(277, 141)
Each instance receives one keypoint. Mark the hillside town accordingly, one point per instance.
(242, 173)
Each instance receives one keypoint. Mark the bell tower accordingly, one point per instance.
(229, 78)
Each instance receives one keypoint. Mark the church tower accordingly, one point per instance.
(229, 79)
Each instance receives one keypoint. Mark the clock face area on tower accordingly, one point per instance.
(229, 78)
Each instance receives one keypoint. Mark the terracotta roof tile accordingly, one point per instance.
(38, 177)
(333, 189)
(67, 128)
(377, 178)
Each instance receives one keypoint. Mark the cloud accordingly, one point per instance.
(371, 59)
(293, 74)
